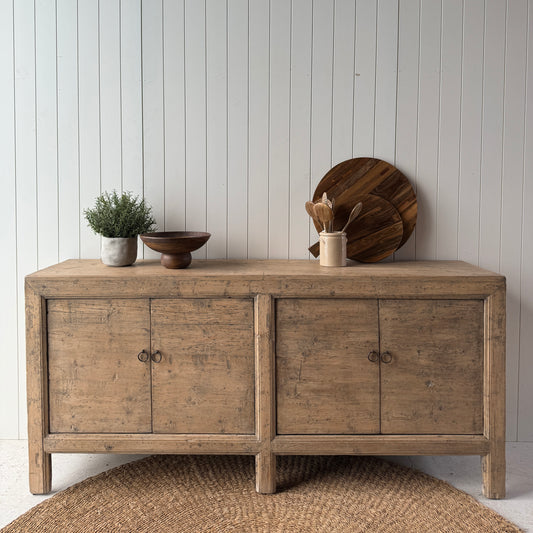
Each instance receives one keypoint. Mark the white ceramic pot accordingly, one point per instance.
(118, 251)
(333, 249)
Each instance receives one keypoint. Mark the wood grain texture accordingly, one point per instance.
(442, 384)
(434, 382)
(205, 380)
(88, 270)
(97, 384)
(493, 464)
(151, 443)
(364, 175)
(418, 279)
(325, 382)
(265, 391)
(374, 235)
(380, 445)
(40, 464)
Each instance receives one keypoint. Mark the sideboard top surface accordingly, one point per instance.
(280, 278)
(254, 269)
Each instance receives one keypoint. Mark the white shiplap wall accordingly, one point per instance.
(225, 114)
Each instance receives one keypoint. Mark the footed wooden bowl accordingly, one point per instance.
(175, 246)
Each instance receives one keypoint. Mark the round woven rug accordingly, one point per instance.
(217, 494)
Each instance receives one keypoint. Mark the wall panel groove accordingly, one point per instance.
(226, 114)
(9, 400)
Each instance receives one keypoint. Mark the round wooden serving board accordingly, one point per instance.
(348, 183)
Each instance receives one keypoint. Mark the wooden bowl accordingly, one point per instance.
(175, 246)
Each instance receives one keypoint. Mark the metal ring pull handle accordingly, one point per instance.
(143, 356)
(156, 356)
(373, 356)
(386, 357)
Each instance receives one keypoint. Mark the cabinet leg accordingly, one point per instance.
(40, 466)
(493, 466)
(265, 473)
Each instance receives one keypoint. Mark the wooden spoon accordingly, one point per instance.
(331, 205)
(353, 215)
(324, 214)
(310, 208)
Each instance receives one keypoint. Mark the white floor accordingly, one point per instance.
(462, 472)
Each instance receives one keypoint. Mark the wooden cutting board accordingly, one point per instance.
(375, 234)
(350, 180)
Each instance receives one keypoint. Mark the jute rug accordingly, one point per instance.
(217, 494)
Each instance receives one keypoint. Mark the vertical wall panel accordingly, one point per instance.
(512, 190)
(525, 396)
(321, 90)
(450, 129)
(153, 112)
(470, 137)
(492, 132)
(258, 127)
(8, 268)
(407, 103)
(89, 120)
(110, 95)
(131, 96)
(67, 130)
(386, 80)
(300, 128)
(428, 128)
(226, 114)
(278, 179)
(321, 95)
(492, 150)
(174, 119)
(217, 128)
(195, 118)
(365, 77)
(237, 94)
(25, 165)
(343, 81)
(46, 132)
(131, 132)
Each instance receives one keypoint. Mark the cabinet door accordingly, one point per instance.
(204, 382)
(96, 382)
(434, 381)
(325, 381)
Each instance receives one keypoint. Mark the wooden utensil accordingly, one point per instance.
(376, 235)
(324, 214)
(353, 215)
(310, 208)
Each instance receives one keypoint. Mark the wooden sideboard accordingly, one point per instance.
(266, 358)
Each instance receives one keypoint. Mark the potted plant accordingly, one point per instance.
(119, 219)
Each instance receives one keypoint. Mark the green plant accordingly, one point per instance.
(120, 216)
